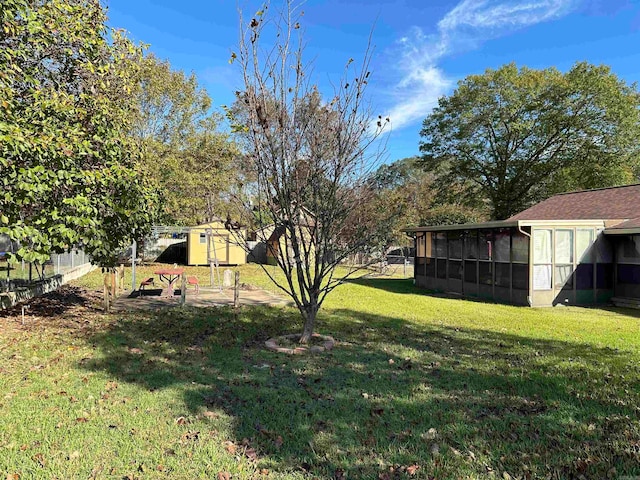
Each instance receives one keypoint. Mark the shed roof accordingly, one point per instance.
(617, 203)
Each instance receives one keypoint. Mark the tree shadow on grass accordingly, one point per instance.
(392, 395)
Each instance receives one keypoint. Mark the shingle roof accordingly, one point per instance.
(629, 224)
(603, 203)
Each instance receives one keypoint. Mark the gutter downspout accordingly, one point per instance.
(529, 297)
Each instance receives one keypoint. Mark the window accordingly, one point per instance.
(584, 241)
(203, 238)
(542, 259)
(564, 258)
(564, 246)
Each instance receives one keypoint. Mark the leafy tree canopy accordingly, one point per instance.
(512, 136)
(68, 165)
(404, 188)
(185, 153)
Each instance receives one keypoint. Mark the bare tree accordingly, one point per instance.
(311, 159)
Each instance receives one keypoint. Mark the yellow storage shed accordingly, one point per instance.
(211, 241)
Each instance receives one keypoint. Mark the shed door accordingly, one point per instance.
(219, 248)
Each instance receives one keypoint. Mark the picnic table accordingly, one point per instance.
(169, 276)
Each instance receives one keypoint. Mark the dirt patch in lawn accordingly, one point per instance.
(289, 344)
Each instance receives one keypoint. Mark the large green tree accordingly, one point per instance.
(512, 136)
(68, 165)
(185, 153)
(406, 190)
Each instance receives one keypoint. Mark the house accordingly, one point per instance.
(216, 241)
(276, 239)
(577, 248)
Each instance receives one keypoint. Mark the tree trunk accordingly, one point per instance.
(310, 314)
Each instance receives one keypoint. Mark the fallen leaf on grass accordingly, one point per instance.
(39, 457)
(74, 455)
(210, 414)
(23, 447)
(13, 476)
(278, 441)
(230, 447)
(413, 469)
(251, 454)
(181, 421)
(224, 476)
(82, 419)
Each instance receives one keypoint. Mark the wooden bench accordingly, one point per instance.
(145, 283)
(194, 281)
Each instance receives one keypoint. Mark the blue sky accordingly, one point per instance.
(422, 47)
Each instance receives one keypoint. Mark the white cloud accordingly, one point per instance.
(464, 27)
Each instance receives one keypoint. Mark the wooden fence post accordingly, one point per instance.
(106, 292)
(183, 289)
(121, 277)
(236, 291)
(112, 276)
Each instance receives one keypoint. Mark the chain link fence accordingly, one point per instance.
(22, 274)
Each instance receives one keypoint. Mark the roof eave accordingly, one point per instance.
(622, 231)
(507, 224)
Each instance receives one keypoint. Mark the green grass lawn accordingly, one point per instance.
(418, 386)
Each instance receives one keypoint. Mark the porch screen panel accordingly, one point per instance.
(421, 245)
(542, 259)
(428, 240)
(628, 252)
(520, 259)
(471, 245)
(604, 262)
(485, 257)
(502, 244)
(519, 247)
(420, 254)
(584, 259)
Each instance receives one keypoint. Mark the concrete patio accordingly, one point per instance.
(152, 299)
